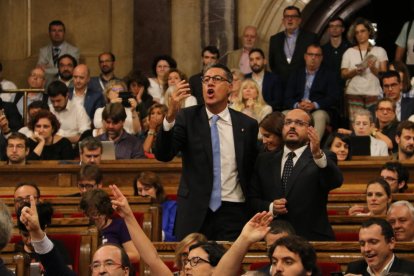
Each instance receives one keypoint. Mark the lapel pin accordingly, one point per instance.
(242, 129)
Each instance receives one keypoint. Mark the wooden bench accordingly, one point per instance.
(16, 261)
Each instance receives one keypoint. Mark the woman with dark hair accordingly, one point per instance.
(96, 204)
(183, 248)
(149, 184)
(379, 198)
(270, 129)
(361, 65)
(171, 79)
(160, 67)
(340, 144)
(45, 144)
(138, 84)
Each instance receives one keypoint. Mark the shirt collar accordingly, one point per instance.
(298, 152)
(386, 268)
(224, 115)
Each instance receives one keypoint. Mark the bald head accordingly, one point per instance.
(249, 37)
(80, 77)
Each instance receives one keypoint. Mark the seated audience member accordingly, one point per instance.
(36, 80)
(138, 84)
(314, 89)
(127, 146)
(149, 184)
(379, 197)
(293, 255)
(90, 151)
(172, 78)
(32, 109)
(405, 141)
(132, 123)
(45, 213)
(160, 66)
(10, 118)
(250, 101)
(83, 95)
(6, 230)
(89, 178)
(363, 125)
(377, 241)
(202, 257)
(96, 204)
(402, 69)
(22, 193)
(17, 149)
(111, 257)
(74, 120)
(396, 175)
(386, 123)
(270, 129)
(6, 85)
(46, 144)
(238, 77)
(66, 64)
(106, 61)
(278, 229)
(156, 114)
(182, 249)
(339, 144)
(239, 58)
(401, 217)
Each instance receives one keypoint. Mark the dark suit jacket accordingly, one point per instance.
(191, 136)
(407, 108)
(54, 264)
(93, 100)
(399, 265)
(277, 58)
(306, 195)
(324, 89)
(272, 90)
(12, 115)
(197, 87)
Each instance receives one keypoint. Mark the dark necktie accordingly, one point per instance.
(55, 55)
(287, 170)
(215, 199)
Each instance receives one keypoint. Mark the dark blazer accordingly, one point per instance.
(272, 90)
(407, 108)
(191, 135)
(306, 195)
(324, 89)
(12, 115)
(197, 87)
(399, 265)
(277, 58)
(54, 264)
(93, 100)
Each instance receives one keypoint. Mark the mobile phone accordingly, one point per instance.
(125, 96)
(35, 269)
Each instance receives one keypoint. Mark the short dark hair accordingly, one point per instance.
(91, 143)
(257, 50)
(57, 88)
(47, 115)
(301, 247)
(214, 250)
(386, 228)
(20, 136)
(406, 124)
(291, 8)
(384, 184)
(74, 61)
(400, 170)
(96, 199)
(389, 74)
(57, 23)
(167, 58)
(44, 212)
(115, 112)
(212, 49)
(31, 184)
(344, 137)
(337, 18)
(278, 226)
(124, 257)
(107, 53)
(90, 172)
(273, 123)
(226, 70)
(38, 104)
(138, 77)
(153, 180)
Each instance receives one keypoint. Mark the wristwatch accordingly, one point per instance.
(151, 132)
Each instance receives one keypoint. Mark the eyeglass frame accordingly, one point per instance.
(194, 261)
(215, 79)
(296, 122)
(20, 200)
(108, 265)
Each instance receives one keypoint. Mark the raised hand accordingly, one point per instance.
(314, 141)
(29, 216)
(120, 203)
(257, 227)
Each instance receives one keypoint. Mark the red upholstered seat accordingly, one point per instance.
(328, 267)
(258, 265)
(349, 236)
(72, 243)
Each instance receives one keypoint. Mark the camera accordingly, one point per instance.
(125, 96)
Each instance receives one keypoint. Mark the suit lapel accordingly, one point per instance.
(275, 166)
(304, 159)
(238, 134)
(205, 134)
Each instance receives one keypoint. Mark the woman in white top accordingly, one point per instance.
(172, 78)
(250, 101)
(361, 65)
(132, 123)
(160, 66)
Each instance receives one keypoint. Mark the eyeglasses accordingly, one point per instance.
(390, 86)
(361, 123)
(194, 261)
(291, 16)
(314, 55)
(20, 146)
(108, 265)
(215, 79)
(21, 200)
(389, 179)
(296, 122)
(383, 109)
(86, 186)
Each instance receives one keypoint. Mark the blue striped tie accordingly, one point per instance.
(215, 199)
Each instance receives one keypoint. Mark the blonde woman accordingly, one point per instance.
(132, 123)
(250, 101)
(238, 77)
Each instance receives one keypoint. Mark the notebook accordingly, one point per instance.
(108, 150)
(360, 145)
